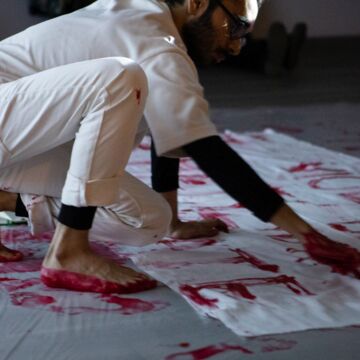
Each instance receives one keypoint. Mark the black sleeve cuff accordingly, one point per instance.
(80, 218)
(20, 209)
(164, 172)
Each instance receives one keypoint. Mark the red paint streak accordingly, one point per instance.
(184, 344)
(210, 213)
(342, 258)
(240, 288)
(79, 282)
(315, 183)
(193, 180)
(339, 227)
(181, 245)
(207, 352)
(305, 167)
(138, 96)
(251, 259)
(31, 300)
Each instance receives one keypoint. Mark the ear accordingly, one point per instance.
(197, 7)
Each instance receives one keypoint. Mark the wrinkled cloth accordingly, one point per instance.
(258, 279)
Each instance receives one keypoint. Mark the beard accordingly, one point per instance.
(199, 38)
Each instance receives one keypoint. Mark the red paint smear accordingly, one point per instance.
(342, 258)
(184, 344)
(315, 184)
(251, 259)
(193, 180)
(31, 300)
(240, 288)
(207, 352)
(210, 213)
(339, 227)
(305, 167)
(79, 282)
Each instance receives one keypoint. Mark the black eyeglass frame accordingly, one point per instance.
(239, 25)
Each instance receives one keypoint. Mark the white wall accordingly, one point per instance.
(323, 17)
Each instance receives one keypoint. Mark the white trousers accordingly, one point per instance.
(67, 133)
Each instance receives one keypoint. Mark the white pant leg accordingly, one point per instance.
(139, 217)
(98, 103)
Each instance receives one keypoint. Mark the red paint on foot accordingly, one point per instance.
(80, 282)
(342, 258)
(207, 352)
(15, 256)
(239, 287)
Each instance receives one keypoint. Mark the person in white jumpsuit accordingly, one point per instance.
(70, 105)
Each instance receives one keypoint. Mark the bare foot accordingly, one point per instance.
(70, 263)
(8, 203)
(8, 255)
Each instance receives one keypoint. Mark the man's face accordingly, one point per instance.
(209, 38)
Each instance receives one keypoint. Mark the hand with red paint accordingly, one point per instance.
(197, 229)
(342, 258)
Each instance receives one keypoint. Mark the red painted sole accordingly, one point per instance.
(73, 281)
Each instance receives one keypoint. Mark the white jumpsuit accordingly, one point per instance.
(70, 104)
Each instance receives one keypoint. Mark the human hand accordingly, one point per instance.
(197, 229)
(342, 258)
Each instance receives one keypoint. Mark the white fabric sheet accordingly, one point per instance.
(257, 279)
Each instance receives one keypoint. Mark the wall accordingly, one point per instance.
(324, 17)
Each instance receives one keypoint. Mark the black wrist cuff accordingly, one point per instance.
(20, 209)
(80, 218)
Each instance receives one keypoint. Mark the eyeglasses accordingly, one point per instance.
(238, 25)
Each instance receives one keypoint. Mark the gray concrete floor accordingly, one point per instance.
(319, 102)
